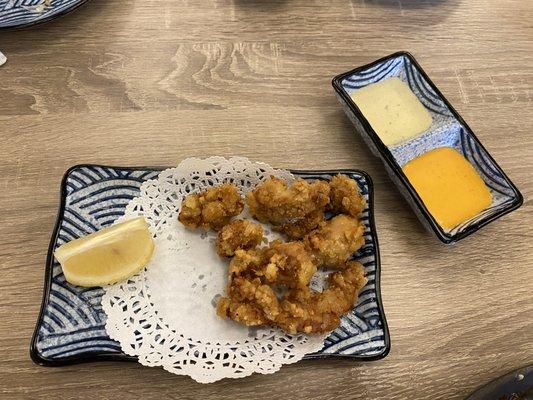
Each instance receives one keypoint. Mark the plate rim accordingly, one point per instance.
(44, 20)
(39, 359)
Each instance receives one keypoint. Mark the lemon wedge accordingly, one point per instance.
(107, 256)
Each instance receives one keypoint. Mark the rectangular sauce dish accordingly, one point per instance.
(450, 180)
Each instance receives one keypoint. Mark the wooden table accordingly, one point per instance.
(152, 82)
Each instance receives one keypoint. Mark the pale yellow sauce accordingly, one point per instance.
(393, 111)
(449, 186)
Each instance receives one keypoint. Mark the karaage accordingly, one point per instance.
(289, 264)
(302, 227)
(345, 197)
(240, 234)
(313, 312)
(253, 274)
(212, 208)
(252, 302)
(336, 240)
(275, 202)
(271, 285)
(244, 300)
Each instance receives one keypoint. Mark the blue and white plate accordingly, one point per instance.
(21, 13)
(448, 129)
(71, 324)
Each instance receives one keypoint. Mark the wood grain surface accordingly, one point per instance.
(139, 82)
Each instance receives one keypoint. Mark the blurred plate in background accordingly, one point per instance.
(22, 13)
(516, 385)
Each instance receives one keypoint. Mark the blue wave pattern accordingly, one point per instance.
(425, 93)
(23, 12)
(387, 69)
(73, 323)
(502, 192)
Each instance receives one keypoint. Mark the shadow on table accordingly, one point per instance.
(272, 5)
(260, 5)
(404, 4)
(414, 14)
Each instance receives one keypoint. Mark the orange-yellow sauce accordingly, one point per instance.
(449, 186)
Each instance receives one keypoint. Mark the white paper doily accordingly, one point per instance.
(165, 315)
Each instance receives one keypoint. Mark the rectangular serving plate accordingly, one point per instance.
(71, 324)
(448, 129)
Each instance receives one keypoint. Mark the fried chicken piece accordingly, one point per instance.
(248, 302)
(345, 197)
(212, 208)
(289, 264)
(240, 234)
(247, 263)
(280, 263)
(248, 314)
(302, 227)
(274, 201)
(311, 312)
(250, 298)
(252, 303)
(334, 243)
